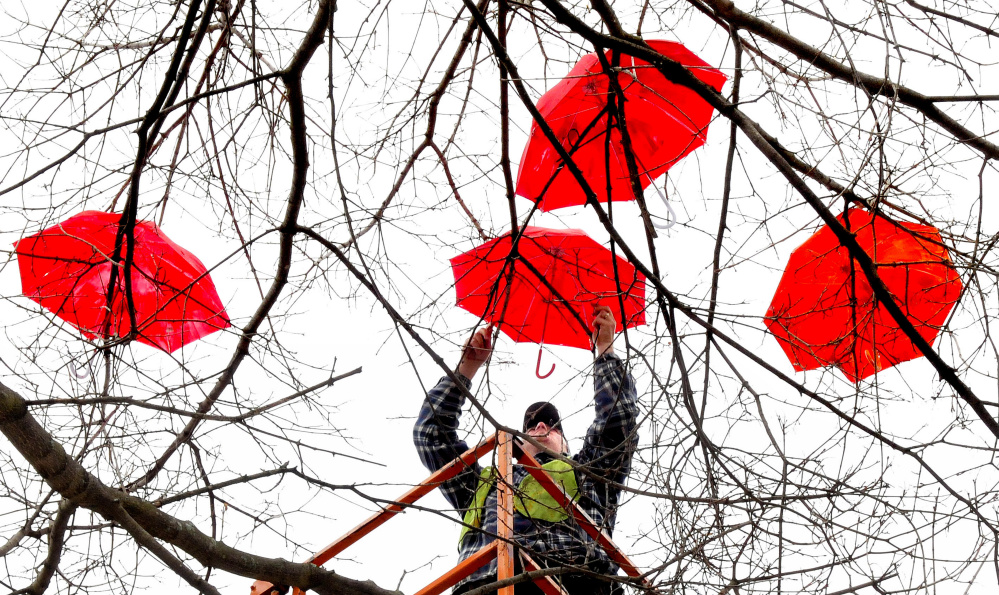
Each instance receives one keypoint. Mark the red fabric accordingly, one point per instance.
(66, 268)
(580, 270)
(665, 123)
(811, 314)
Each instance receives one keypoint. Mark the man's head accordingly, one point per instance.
(543, 423)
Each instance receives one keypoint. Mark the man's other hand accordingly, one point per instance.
(603, 329)
(476, 351)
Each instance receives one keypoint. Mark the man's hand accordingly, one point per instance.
(477, 350)
(603, 329)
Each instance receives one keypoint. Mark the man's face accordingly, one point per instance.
(551, 438)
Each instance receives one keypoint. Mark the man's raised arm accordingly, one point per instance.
(611, 438)
(435, 433)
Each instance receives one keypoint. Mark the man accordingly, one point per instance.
(601, 464)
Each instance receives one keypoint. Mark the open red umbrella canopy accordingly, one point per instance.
(665, 123)
(558, 277)
(67, 269)
(824, 312)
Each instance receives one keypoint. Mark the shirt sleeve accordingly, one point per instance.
(437, 443)
(611, 438)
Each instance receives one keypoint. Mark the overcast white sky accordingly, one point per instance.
(375, 410)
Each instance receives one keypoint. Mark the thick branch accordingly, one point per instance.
(292, 78)
(874, 85)
(957, 19)
(223, 484)
(676, 73)
(151, 123)
(147, 541)
(66, 476)
(661, 63)
(428, 136)
(57, 537)
(193, 414)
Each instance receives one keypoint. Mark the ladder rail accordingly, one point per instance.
(504, 511)
(448, 471)
(507, 448)
(532, 466)
(464, 569)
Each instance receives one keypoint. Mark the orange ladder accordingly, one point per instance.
(507, 447)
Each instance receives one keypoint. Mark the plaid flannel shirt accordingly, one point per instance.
(606, 455)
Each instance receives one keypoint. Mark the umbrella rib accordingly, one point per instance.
(572, 150)
(522, 330)
(171, 292)
(493, 291)
(555, 292)
(507, 293)
(652, 90)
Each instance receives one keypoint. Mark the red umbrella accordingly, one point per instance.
(824, 311)
(558, 278)
(67, 268)
(665, 123)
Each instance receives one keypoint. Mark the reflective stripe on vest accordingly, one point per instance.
(530, 500)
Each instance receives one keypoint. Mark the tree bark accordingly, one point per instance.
(81, 488)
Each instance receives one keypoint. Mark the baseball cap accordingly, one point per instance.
(542, 411)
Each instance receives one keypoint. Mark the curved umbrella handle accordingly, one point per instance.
(672, 213)
(537, 368)
(74, 372)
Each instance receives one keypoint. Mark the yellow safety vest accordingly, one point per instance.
(530, 499)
